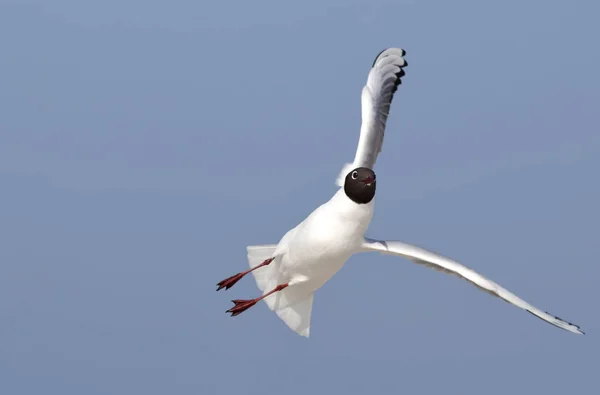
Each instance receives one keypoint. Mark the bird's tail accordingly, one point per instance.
(293, 306)
(266, 277)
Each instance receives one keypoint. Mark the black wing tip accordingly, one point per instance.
(558, 318)
(568, 322)
(379, 55)
(401, 73)
(399, 76)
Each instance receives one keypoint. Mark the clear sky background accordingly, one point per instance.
(145, 144)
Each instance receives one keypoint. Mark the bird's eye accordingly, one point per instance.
(354, 175)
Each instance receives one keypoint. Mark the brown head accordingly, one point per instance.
(359, 185)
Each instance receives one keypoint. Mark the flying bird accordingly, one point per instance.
(308, 255)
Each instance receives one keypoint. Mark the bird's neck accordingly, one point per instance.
(346, 207)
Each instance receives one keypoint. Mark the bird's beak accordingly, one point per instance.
(368, 180)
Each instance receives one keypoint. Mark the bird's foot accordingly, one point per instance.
(230, 281)
(241, 306)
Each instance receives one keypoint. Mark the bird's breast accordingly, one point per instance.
(322, 245)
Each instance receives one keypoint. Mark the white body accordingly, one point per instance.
(320, 245)
(312, 252)
(309, 255)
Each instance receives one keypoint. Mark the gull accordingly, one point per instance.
(310, 254)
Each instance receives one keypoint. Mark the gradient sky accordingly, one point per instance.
(145, 144)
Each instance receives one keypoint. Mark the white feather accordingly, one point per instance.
(257, 255)
(376, 98)
(311, 253)
(296, 316)
(447, 265)
(342, 176)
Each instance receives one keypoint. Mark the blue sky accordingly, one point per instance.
(145, 144)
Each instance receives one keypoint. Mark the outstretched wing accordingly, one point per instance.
(447, 265)
(376, 98)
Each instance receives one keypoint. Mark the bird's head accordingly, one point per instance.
(359, 185)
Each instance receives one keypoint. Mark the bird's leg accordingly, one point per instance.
(243, 305)
(230, 281)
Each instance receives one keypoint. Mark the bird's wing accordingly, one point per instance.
(376, 98)
(447, 265)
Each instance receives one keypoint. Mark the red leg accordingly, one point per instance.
(243, 305)
(230, 281)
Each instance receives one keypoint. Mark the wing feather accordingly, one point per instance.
(447, 265)
(376, 98)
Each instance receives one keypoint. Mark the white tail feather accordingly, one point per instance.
(297, 317)
(264, 275)
(291, 305)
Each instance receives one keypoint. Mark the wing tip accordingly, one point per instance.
(560, 323)
(572, 327)
(397, 51)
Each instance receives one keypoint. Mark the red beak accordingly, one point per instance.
(368, 180)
